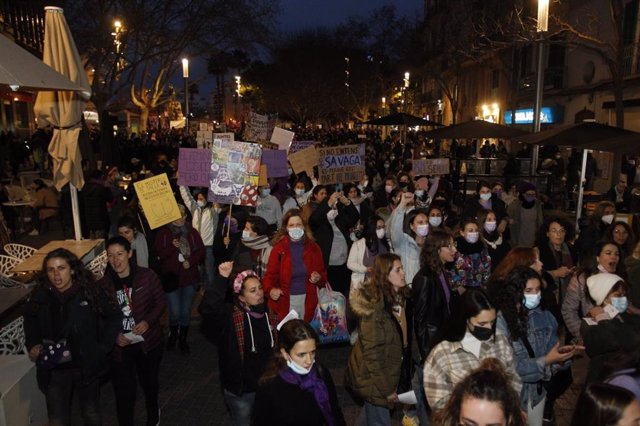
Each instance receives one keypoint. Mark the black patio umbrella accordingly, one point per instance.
(587, 134)
(401, 119)
(475, 129)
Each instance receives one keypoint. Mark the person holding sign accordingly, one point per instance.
(295, 269)
(180, 250)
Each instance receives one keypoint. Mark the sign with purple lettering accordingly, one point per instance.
(194, 166)
(276, 162)
(235, 170)
(341, 164)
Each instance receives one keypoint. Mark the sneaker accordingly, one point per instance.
(34, 232)
(549, 416)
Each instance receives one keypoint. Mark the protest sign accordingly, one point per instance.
(194, 166)
(235, 169)
(259, 127)
(262, 179)
(203, 127)
(341, 164)
(431, 166)
(282, 137)
(204, 139)
(276, 161)
(228, 136)
(300, 145)
(304, 161)
(157, 200)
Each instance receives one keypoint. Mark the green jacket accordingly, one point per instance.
(373, 370)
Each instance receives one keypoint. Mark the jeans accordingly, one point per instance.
(180, 302)
(374, 415)
(209, 267)
(59, 394)
(240, 407)
(135, 362)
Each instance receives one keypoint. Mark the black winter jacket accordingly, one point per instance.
(322, 230)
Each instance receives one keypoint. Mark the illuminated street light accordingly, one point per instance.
(543, 16)
(185, 76)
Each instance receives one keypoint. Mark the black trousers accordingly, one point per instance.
(145, 366)
(61, 387)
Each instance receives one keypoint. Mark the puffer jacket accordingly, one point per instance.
(404, 245)
(375, 361)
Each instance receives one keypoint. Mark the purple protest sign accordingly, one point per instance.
(276, 162)
(194, 167)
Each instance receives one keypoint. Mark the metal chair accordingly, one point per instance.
(98, 264)
(12, 339)
(19, 251)
(7, 263)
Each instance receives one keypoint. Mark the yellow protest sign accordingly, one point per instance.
(157, 200)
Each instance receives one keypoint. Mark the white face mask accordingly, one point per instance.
(295, 233)
(532, 301)
(201, 203)
(472, 237)
(246, 235)
(297, 368)
(299, 192)
(266, 191)
(608, 218)
(435, 221)
(380, 233)
(485, 197)
(419, 192)
(388, 188)
(422, 230)
(490, 226)
(332, 214)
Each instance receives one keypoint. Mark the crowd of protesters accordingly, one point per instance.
(479, 305)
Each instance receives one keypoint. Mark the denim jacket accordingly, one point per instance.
(542, 333)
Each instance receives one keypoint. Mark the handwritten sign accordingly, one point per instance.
(282, 137)
(431, 166)
(304, 160)
(259, 127)
(194, 166)
(341, 164)
(276, 161)
(228, 136)
(300, 145)
(235, 169)
(157, 200)
(204, 139)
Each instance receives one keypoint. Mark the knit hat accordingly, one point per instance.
(600, 285)
(527, 186)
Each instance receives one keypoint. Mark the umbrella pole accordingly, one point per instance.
(75, 211)
(581, 188)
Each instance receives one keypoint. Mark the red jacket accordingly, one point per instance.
(278, 275)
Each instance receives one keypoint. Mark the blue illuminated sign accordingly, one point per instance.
(525, 116)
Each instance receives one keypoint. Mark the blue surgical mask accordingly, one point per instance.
(532, 301)
(297, 368)
(435, 221)
(266, 191)
(620, 303)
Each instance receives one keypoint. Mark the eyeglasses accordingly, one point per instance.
(558, 231)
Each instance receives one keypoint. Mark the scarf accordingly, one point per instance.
(466, 248)
(314, 384)
(493, 239)
(182, 232)
(261, 242)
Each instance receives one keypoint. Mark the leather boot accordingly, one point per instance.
(184, 347)
(173, 337)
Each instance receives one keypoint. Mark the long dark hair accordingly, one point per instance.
(371, 237)
(377, 287)
(590, 265)
(509, 300)
(489, 382)
(470, 304)
(631, 239)
(292, 332)
(429, 256)
(601, 404)
(80, 275)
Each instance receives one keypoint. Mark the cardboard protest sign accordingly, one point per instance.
(262, 179)
(276, 161)
(194, 166)
(228, 136)
(431, 166)
(204, 139)
(235, 169)
(341, 164)
(259, 127)
(304, 161)
(300, 145)
(282, 137)
(157, 200)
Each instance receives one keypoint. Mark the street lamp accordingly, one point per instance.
(405, 87)
(117, 41)
(185, 76)
(542, 25)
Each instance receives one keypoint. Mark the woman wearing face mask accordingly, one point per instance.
(254, 248)
(204, 220)
(603, 216)
(295, 269)
(295, 389)
(245, 332)
(300, 195)
(525, 216)
(472, 264)
(127, 229)
(318, 195)
(608, 327)
(382, 352)
(435, 215)
(533, 333)
(431, 291)
(486, 200)
(577, 302)
(405, 182)
(497, 246)
(407, 240)
(364, 251)
(331, 223)
(180, 250)
(468, 338)
(381, 197)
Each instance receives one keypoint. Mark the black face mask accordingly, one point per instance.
(260, 309)
(482, 333)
